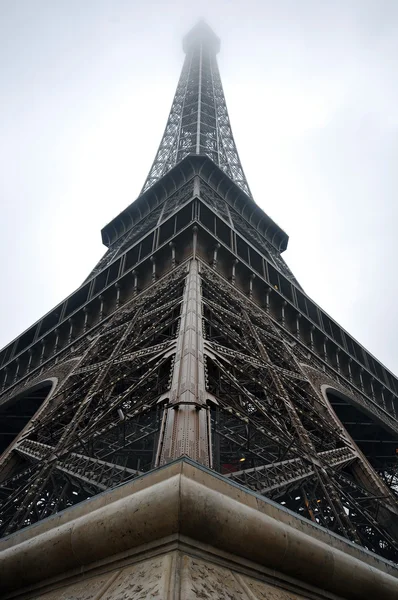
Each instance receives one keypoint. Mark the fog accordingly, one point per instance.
(312, 94)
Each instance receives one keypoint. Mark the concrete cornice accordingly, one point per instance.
(184, 499)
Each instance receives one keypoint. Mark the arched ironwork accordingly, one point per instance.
(17, 412)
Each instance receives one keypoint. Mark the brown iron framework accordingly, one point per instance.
(198, 122)
(192, 337)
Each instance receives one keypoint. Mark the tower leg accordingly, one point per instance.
(186, 425)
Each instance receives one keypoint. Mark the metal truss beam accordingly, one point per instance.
(97, 473)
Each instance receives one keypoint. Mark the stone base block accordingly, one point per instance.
(184, 533)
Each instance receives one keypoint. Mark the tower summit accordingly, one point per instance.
(188, 423)
(201, 35)
(198, 122)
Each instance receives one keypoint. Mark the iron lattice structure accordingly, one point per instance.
(192, 337)
(198, 122)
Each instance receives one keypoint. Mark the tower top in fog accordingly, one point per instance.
(201, 34)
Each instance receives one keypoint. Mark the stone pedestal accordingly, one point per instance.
(182, 532)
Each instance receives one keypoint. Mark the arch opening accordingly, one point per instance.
(18, 411)
(377, 442)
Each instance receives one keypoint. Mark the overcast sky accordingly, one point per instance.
(312, 92)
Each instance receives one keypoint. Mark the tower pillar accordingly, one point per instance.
(185, 429)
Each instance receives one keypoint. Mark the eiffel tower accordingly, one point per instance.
(191, 340)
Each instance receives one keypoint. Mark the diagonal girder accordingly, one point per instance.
(251, 362)
(96, 472)
(278, 475)
(101, 425)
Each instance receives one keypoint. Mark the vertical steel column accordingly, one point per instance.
(199, 115)
(186, 426)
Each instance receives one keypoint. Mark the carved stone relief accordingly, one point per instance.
(206, 581)
(82, 590)
(264, 591)
(148, 580)
(200, 579)
(155, 580)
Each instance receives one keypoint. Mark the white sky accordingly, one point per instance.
(312, 92)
